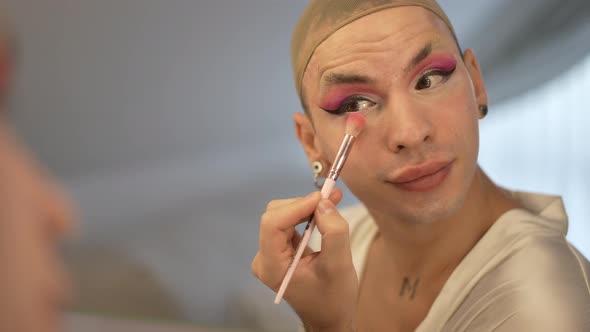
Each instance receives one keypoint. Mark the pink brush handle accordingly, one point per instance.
(326, 191)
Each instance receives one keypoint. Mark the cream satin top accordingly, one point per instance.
(522, 275)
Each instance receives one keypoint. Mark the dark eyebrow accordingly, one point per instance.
(337, 78)
(332, 79)
(421, 55)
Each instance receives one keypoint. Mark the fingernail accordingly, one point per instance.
(325, 207)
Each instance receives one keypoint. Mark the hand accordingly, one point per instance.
(34, 215)
(324, 287)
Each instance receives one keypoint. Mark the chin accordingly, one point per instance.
(433, 211)
(441, 206)
(425, 207)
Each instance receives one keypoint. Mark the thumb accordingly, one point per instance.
(334, 230)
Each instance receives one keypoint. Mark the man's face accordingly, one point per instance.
(402, 70)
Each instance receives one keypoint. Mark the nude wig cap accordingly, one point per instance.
(322, 18)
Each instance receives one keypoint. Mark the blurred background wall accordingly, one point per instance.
(170, 123)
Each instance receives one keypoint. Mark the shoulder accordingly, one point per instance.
(533, 253)
(551, 258)
(545, 282)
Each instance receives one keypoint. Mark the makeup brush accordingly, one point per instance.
(354, 126)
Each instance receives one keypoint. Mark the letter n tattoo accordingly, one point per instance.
(408, 287)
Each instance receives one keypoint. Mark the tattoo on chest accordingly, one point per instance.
(409, 287)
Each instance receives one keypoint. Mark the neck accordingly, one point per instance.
(432, 251)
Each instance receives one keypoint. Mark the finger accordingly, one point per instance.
(334, 230)
(277, 225)
(335, 197)
(268, 272)
(61, 215)
(296, 239)
(255, 266)
(276, 203)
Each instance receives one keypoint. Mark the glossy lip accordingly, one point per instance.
(423, 177)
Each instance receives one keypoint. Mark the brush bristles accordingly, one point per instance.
(355, 124)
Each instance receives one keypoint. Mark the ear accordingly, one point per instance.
(307, 137)
(476, 77)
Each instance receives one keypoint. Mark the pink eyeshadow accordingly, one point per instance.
(440, 62)
(333, 99)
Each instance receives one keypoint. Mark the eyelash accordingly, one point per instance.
(446, 74)
(354, 101)
(350, 102)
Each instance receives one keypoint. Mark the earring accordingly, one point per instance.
(483, 111)
(317, 170)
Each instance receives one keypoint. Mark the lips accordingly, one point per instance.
(422, 177)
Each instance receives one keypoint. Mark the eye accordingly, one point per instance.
(433, 78)
(353, 104)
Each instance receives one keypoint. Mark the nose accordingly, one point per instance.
(406, 126)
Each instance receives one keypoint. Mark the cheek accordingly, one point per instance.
(459, 129)
(361, 171)
(328, 139)
(459, 110)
